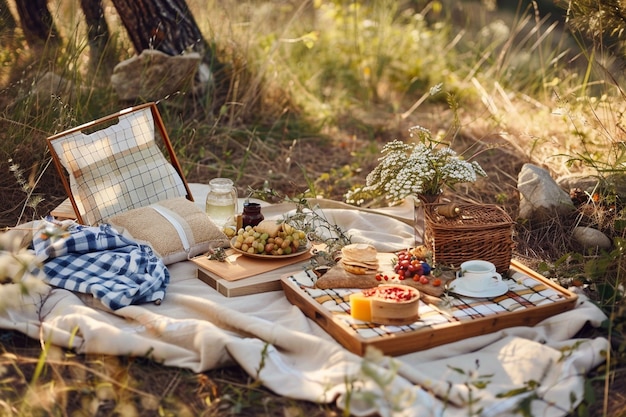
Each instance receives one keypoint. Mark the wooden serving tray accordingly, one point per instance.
(530, 299)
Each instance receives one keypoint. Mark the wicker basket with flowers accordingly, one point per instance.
(422, 170)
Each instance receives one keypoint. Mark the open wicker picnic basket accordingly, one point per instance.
(476, 231)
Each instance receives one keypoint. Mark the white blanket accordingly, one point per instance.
(199, 329)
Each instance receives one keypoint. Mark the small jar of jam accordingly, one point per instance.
(251, 214)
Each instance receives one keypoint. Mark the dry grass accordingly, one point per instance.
(98, 385)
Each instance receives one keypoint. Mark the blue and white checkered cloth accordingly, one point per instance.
(101, 262)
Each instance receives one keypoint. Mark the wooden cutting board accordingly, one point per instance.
(242, 275)
(238, 266)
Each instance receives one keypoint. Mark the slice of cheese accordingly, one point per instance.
(361, 306)
(386, 304)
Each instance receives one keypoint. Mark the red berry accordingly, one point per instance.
(436, 282)
(424, 280)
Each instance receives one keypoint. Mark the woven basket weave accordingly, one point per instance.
(477, 232)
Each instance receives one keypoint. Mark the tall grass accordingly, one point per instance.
(298, 68)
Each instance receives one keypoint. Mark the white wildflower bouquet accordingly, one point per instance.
(422, 168)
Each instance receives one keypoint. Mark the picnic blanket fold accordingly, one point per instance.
(100, 261)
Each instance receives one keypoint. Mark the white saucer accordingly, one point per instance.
(457, 287)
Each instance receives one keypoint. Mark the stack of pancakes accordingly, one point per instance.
(359, 259)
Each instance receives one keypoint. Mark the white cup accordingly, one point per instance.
(478, 275)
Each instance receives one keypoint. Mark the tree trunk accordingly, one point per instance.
(98, 36)
(37, 23)
(165, 25)
(7, 21)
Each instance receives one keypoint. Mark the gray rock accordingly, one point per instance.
(589, 237)
(541, 198)
(613, 183)
(588, 183)
(153, 75)
(51, 84)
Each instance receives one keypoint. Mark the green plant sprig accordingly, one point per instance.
(310, 219)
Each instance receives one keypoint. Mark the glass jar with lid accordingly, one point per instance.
(251, 214)
(221, 201)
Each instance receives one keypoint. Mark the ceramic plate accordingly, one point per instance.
(260, 256)
(457, 287)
